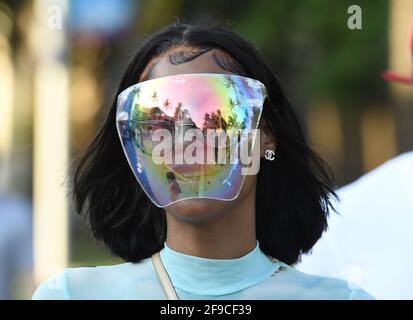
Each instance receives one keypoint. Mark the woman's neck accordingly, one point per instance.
(228, 235)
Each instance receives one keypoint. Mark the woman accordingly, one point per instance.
(197, 230)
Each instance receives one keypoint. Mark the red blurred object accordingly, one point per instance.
(394, 76)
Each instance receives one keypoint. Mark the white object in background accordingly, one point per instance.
(370, 241)
(51, 138)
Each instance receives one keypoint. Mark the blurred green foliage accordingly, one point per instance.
(310, 40)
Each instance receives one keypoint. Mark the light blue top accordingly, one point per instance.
(253, 276)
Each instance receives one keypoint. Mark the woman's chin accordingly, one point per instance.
(197, 210)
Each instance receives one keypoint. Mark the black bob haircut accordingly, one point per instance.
(293, 192)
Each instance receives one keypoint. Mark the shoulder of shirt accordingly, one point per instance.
(61, 285)
(317, 287)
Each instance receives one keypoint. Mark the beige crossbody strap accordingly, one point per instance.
(163, 277)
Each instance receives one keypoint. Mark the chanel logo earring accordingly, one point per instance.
(269, 155)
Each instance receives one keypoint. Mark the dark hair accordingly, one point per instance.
(293, 193)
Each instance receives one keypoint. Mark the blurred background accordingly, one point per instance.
(61, 61)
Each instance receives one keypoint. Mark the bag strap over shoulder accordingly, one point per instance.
(163, 277)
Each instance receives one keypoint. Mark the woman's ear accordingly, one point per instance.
(267, 138)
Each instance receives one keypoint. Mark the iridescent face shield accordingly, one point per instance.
(183, 135)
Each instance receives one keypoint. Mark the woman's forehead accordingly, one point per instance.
(204, 63)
